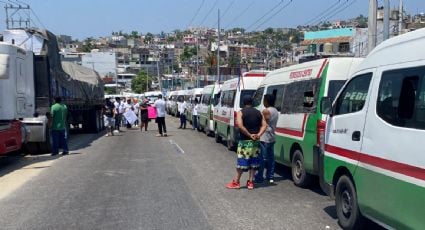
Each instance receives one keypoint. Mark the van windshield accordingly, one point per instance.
(334, 87)
(245, 93)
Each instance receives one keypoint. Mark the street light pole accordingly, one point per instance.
(218, 48)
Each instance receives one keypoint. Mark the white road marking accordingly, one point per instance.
(177, 146)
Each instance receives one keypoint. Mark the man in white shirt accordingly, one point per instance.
(195, 114)
(182, 110)
(160, 116)
(119, 110)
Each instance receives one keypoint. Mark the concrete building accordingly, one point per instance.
(105, 63)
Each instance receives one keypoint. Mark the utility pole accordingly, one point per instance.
(372, 24)
(218, 48)
(10, 21)
(157, 71)
(386, 31)
(147, 79)
(400, 17)
(197, 60)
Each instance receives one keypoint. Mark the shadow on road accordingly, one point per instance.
(18, 160)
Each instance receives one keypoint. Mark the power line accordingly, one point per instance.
(209, 12)
(225, 12)
(196, 13)
(264, 15)
(240, 15)
(339, 10)
(322, 13)
(273, 15)
(38, 19)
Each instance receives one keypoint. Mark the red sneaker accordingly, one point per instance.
(233, 185)
(250, 185)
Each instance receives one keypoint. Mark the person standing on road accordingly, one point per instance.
(251, 125)
(58, 116)
(267, 141)
(119, 110)
(195, 114)
(144, 119)
(160, 117)
(127, 107)
(136, 111)
(182, 110)
(108, 116)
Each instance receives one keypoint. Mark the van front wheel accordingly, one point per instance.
(300, 177)
(347, 209)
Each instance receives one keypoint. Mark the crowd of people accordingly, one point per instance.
(134, 113)
(257, 132)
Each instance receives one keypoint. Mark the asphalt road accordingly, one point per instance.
(139, 181)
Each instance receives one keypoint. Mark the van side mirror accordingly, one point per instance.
(326, 106)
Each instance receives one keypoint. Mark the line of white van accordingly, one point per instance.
(356, 124)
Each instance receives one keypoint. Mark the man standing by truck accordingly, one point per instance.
(58, 116)
(119, 106)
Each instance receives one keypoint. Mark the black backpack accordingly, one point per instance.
(109, 111)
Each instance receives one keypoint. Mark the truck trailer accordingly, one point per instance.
(31, 76)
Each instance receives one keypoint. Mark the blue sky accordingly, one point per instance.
(84, 18)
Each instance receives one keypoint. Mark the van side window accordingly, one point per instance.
(277, 91)
(215, 99)
(206, 99)
(401, 99)
(301, 96)
(353, 97)
(245, 93)
(258, 96)
(225, 98)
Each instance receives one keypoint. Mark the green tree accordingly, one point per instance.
(138, 84)
(134, 34)
(148, 38)
(171, 39)
(188, 53)
(362, 21)
(179, 34)
(88, 45)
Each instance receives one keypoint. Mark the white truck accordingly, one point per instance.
(32, 75)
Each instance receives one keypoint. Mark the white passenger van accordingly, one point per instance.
(171, 101)
(210, 96)
(152, 96)
(231, 101)
(374, 152)
(193, 94)
(297, 90)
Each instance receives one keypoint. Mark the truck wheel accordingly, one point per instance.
(31, 148)
(46, 146)
(347, 209)
(300, 177)
(230, 144)
(217, 136)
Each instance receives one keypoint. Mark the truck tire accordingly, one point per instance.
(46, 146)
(300, 177)
(347, 208)
(31, 148)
